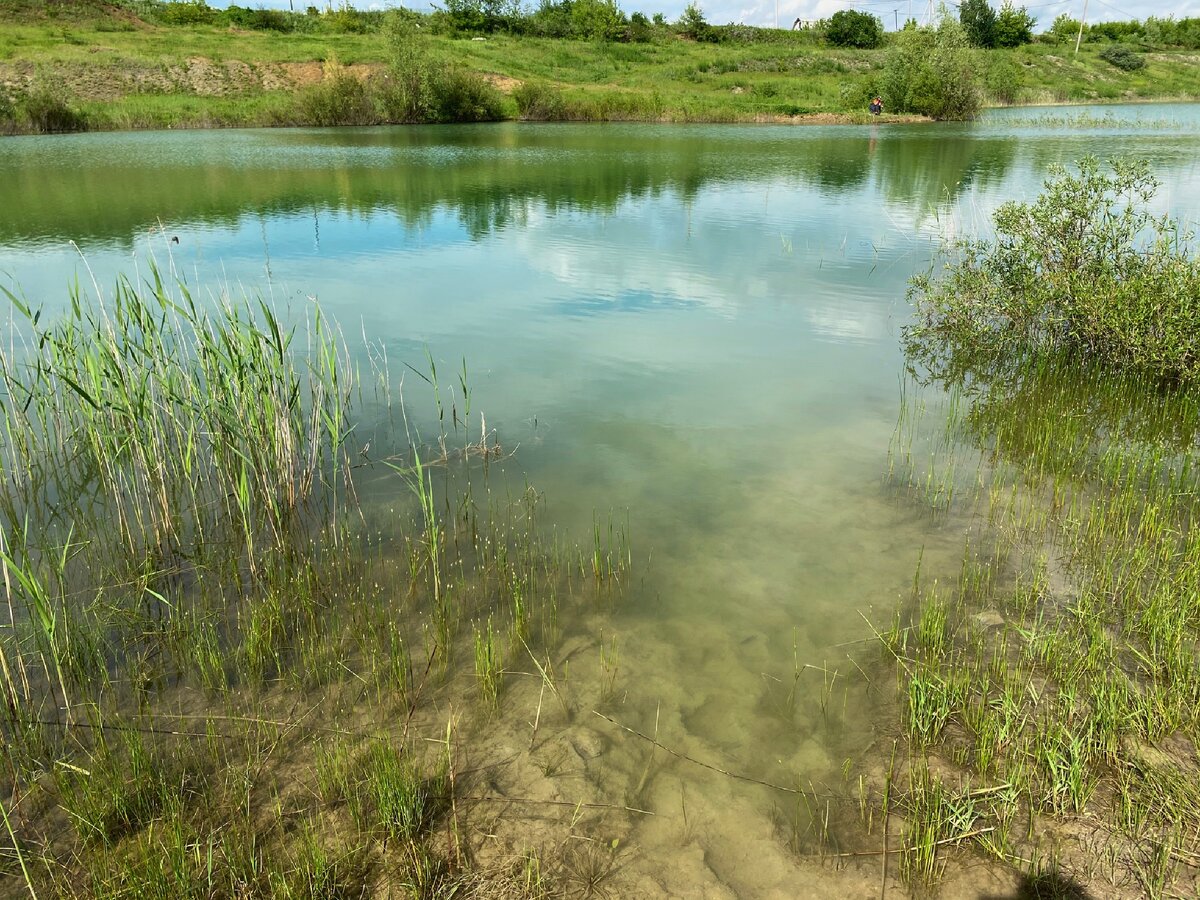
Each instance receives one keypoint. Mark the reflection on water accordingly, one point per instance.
(697, 325)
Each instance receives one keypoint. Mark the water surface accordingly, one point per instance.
(694, 327)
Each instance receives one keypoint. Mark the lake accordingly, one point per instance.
(691, 331)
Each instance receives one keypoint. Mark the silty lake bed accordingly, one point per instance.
(692, 330)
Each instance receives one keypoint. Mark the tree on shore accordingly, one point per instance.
(979, 21)
(931, 71)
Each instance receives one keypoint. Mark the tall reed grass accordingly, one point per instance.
(225, 622)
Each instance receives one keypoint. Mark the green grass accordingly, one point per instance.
(201, 615)
(1081, 704)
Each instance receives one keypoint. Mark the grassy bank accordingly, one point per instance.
(117, 70)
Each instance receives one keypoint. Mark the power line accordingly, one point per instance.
(1115, 9)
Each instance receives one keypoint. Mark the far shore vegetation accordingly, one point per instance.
(77, 65)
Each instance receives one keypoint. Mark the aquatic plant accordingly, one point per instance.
(190, 575)
(1085, 268)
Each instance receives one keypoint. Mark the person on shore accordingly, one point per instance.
(876, 106)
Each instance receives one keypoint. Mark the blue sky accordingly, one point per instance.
(763, 12)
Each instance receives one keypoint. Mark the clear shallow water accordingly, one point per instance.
(696, 325)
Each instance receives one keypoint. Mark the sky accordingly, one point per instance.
(765, 12)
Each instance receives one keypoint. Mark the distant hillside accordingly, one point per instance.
(122, 64)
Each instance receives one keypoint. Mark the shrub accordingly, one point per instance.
(347, 20)
(539, 102)
(1116, 31)
(640, 29)
(47, 112)
(1014, 26)
(850, 28)
(340, 99)
(406, 94)
(551, 19)
(1063, 30)
(1124, 58)
(932, 72)
(187, 12)
(417, 89)
(8, 111)
(599, 20)
(480, 15)
(1003, 79)
(462, 96)
(693, 24)
(1085, 269)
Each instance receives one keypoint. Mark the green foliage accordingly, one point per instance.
(463, 96)
(600, 20)
(1169, 32)
(640, 29)
(1124, 58)
(539, 102)
(693, 24)
(347, 20)
(187, 12)
(932, 72)
(1063, 30)
(262, 19)
(1002, 79)
(339, 99)
(1116, 31)
(480, 15)
(1084, 269)
(1014, 26)
(8, 112)
(406, 94)
(46, 111)
(850, 28)
(979, 21)
(417, 89)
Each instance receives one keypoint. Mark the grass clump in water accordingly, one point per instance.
(1057, 686)
(218, 663)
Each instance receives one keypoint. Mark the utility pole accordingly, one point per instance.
(1083, 19)
(896, 19)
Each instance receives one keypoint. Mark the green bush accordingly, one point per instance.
(932, 72)
(599, 20)
(850, 28)
(1124, 58)
(640, 29)
(539, 102)
(340, 99)
(47, 112)
(1003, 79)
(8, 111)
(1064, 30)
(1014, 26)
(1085, 269)
(406, 94)
(416, 89)
(187, 12)
(693, 24)
(462, 96)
